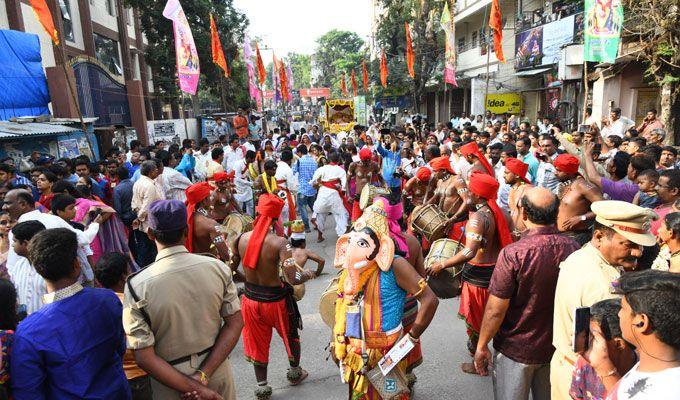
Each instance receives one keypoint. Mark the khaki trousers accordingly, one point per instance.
(560, 377)
(221, 381)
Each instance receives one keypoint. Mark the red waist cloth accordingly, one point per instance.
(334, 185)
(356, 211)
(260, 319)
(472, 303)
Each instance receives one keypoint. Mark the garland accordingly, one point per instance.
(271, 185)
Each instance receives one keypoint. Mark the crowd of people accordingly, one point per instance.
(118, 277)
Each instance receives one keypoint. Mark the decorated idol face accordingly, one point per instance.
(360, 250)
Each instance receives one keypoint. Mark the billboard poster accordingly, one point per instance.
(68, 148)
(529, 48)
(555, 35)
(502, 103)
(360, 110)
(603, 21)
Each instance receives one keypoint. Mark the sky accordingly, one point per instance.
(294, 25)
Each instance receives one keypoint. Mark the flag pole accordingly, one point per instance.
(488, 57)
(184, 118)
(585, 91)
(222, 94)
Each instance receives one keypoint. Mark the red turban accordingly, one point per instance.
(365, 154)
(424, 174)
(517, 167)
(223, 176)
(471, 149)
(196, 193)
(269, 206)
(442, 163)
(566, 163)
(486, 187)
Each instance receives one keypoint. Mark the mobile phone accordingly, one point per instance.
(581, 329)
(583, 128)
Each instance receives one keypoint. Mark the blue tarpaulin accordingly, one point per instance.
(23, 86)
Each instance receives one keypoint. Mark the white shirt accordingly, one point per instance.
(479, 125)
(462, 122)
(29, 284)
(636, 385)
(504, 188)
(617, 128)
(462, 168)
(231, 157)
(328, 173)
(285, 173)
(244, 187)
(202, 161)
(171, 184)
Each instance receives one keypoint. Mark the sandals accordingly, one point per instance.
(296, 375)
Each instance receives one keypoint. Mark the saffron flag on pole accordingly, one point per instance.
(383, 69)
(409, 51)
(343, 85)
(284, 80)
(496, 24)
(275, 80)
(354, 83)
(188, 68)
(216, 44)
(291, 81)
(365, 75)
(261, 72)
(449, 28)
(42, 12)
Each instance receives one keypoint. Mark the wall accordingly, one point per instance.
(4, 22)
(100, 15)
(32, 25)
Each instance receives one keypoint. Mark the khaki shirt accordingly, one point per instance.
(186, 297)
(585, 278)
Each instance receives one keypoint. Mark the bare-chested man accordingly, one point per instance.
(298, 243)
(417, 188)
(515, 176)
(268, 302)
(477, 160)
(451, 195)
(222, 198)
(487, 233)
(204, 231)
(362, 173)
(576, 194)
(266, 184)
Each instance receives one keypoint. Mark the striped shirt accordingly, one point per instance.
(29, 284)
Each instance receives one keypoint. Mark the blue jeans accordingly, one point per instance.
(303, 202)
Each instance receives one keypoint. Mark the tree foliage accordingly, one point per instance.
(337, 52)
(655, 25)
(301, 65)
(427, 39)
(160, 53)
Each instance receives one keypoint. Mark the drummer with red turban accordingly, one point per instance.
(487, 232)
(361, 173)
(268, 302)
(204, 231)
(223, 202)
(477, 160)
(450, 195)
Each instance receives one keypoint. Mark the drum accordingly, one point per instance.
(448, 283)
(370, 192)
(235, 224)
(429, 221)
(327, 302)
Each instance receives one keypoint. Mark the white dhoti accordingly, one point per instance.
(328, 201)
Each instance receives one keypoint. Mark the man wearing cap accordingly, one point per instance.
(515, 176)
(203, 231)
(487, 232)
(222, 198)
(576, 195)
(182, 336)
(362, 173)
(619, 232)
(416, 188)
(451, 195)
(475, 157)
(268, 303)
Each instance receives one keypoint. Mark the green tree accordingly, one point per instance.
(427, 40)
(655, 25)
(160, 53)
(338, 52)
(301, 65)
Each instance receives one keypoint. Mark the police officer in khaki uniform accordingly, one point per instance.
(586, 276)
(182, 314)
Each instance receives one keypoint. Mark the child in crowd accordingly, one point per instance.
(604, 324)
(111, 271)
(647, 196)
(64, 207)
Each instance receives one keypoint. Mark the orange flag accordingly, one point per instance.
(284, 80)
(409, 51)
(383, 69)
(261, 72)
(365, 71)
(216, 44)
(496, 24)
(343, 85)
(354, 83)
(45, 17)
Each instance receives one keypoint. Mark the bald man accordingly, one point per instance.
(518, 314)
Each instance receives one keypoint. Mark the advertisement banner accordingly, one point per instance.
(188, 69)
(315, 92)
(68, 148)
(602, 31)
(502, 103)
(529, 48)
(360, 113)
(555, 35)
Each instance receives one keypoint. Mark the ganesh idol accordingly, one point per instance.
(372, 288)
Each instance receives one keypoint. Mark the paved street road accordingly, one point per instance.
(439, 377)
